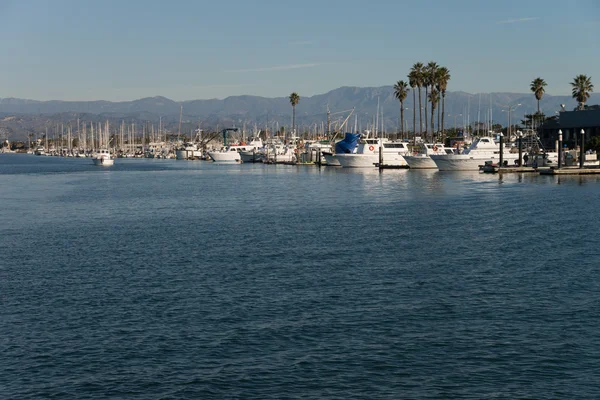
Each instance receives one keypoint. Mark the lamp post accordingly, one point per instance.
(581, 150)
(560, 148)
(510, 109)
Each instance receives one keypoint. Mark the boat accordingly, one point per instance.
(103, 158)
(347, 145)
(367, 154)
(279, 153)
(254, 154)
(231, 153)
(481, 150)
(421, 159)
(188, 151)
(39, 151)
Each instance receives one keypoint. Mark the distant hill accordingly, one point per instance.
(311, 111)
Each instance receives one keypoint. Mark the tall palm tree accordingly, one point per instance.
(443, 76)
(412, 81)
(418, 73)
(400, 92)
(294, 100)
(537, 87)
(582, 87)
(434, 97)
(430, 77)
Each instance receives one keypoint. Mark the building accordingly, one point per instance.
(571, 123)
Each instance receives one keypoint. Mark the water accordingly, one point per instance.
(158, 279)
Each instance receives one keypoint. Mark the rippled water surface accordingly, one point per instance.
(158, 279)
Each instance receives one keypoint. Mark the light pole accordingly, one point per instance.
(560, 148)
(510, 109)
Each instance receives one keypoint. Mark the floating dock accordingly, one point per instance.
(571, 171)
(492, 169)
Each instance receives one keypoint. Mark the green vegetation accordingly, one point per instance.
(400, 92)
(294, 100)
(582, 87)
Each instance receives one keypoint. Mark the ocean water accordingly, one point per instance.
(164, 279)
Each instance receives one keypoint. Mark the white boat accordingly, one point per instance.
(422, 159)
(367, 154)
(103, 158)
(481, 150)
(231, 154)
(279, 153)
(189, 151)
(40, 151)
(254, 154)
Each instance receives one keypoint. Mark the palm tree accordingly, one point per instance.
(434, 97)
(537, 87)
(412, 81)
(401, 91)
(417, 72)
(294, 99)
(582, 87)
(430, 77)
(443, 76)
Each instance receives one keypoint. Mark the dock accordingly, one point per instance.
(571, 171)
(493, 169)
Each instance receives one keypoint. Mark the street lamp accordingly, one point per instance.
(510, 108)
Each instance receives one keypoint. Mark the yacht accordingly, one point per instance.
(231, 153)
(422, 160)
(40, 151)
(481, 150)
(103, 158)
(278, 153)
(367, 154)
(188, 151)
(255, 154)
(348, 144)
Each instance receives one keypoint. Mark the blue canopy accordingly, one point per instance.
(348, 144)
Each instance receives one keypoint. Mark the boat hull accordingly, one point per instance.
(225, 157)
(103, 162)
(465, 162)
(420, 162)
(370, 160)
(331, 160)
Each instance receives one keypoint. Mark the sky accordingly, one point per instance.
(195, 49)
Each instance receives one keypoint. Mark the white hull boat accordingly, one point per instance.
(481, 150)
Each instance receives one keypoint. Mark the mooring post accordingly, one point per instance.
(581, 150)
(380, 155)
(520, 149)
(560, 148)
(501, 150)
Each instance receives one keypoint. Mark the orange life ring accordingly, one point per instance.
(435, 148)
(371, 148)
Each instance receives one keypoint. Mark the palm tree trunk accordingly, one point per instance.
(538, 100)
(414, 113)
(426, 100)
(439, 108)
(432, 115)
(420, 114)
(443, 113)
(293, 120)
(402, 118)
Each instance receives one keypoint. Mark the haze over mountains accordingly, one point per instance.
(237, 110)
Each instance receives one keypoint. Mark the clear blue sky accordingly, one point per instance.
(127, 49)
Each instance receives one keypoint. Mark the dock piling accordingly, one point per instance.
(520, 149)
(501, 150)
(581, 150)
(560, 148)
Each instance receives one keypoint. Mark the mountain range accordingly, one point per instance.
(311, 111)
